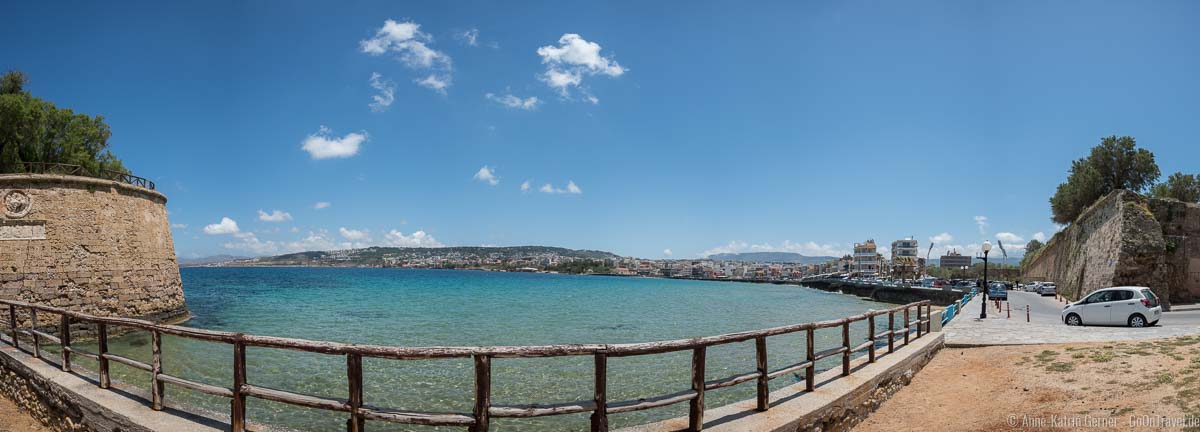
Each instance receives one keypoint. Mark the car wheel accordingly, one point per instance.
(1073, 320)
(1137, 320)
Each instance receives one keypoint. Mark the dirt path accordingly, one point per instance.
(12, 419)
(1093, 387)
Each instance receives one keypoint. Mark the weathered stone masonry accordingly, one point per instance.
(1126, 239)
(96, 246)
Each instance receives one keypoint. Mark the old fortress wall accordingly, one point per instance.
(1126, 239)
(97, 246)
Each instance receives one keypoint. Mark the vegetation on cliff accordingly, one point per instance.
(1116, 163)
(35, 130)
(1180, 186)
(1031, 250)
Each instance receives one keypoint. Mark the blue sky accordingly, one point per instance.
(690, 127)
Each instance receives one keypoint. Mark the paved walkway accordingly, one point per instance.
(1045, 328)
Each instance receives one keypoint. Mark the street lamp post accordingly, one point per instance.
(987, 247)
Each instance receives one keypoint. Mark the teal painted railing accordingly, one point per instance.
(954, 308)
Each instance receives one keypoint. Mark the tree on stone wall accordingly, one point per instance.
(1180, 186)
(1031, 249)
(1117, 163)
(35, 130)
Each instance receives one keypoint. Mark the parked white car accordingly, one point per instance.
(1131, 306)
(1047, 288)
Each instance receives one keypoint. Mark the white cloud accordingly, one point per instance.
(981, 221)
(1039, 236)
(411, 46)
(525, 186)
(179, 225)
(571, 188)
(515, 102)
(435, 82)
(354, 235)
(486, 174)
(387, 92)
(322, 145)
(1010, 238)
(667, 252)
(942, 238)
(226, 226)
(322, 240)
(416, 239)
(321, 205)
(275, 216)
(574, 57)
(807, 248)
(469, 36)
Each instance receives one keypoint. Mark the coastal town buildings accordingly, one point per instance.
(904, 258)
(866, 259)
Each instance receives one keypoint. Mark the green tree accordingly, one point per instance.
(1117, 163)
(1180, 186)
(1031, 249)
(35, 130)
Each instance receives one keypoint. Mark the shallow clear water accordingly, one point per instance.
(447, 307)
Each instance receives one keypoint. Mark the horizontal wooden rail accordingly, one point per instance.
(127, 362)
(522, 411)
(731, 381)
(416, 418)
(654, 402)
(483, 409)
(197, 386)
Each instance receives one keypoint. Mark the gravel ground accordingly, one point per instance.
(13, 419)
(1129, 385)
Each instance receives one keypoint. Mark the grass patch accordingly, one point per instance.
(1061, 367)
(1102, 357)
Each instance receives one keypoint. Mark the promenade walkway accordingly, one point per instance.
(1044, 326)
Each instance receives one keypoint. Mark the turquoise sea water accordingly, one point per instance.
(446, 307)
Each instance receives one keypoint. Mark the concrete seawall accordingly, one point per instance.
(889, 294)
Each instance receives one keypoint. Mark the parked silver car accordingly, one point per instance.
(1047, 288)
(1131, 306)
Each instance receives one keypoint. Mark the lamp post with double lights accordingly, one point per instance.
(987, 247)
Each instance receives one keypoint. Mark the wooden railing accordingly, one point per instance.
(483, 409)
(78, 170)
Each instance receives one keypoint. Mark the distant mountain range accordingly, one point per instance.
(215, 259)
(391, 256)
(775, 257)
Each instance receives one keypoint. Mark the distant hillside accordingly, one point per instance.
(776, 257)
(187, 262)
(393, 256)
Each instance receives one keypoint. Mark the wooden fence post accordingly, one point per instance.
(919, 324)
(846, 345)
(102, 334)
(764, 391)
(696, 408)
(906, 326)
(64, 337)
(891, 331)
(12, 325)
(156, 370)
(871, 337)
(37, 340)
(237, 415)
(355, 379)
(600, 392)
(483, 392)
(810, 372)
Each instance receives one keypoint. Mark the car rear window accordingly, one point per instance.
(1123, 295)
(1149, 295)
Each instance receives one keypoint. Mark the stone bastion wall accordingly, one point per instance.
(97, 246)
(1126, 239)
